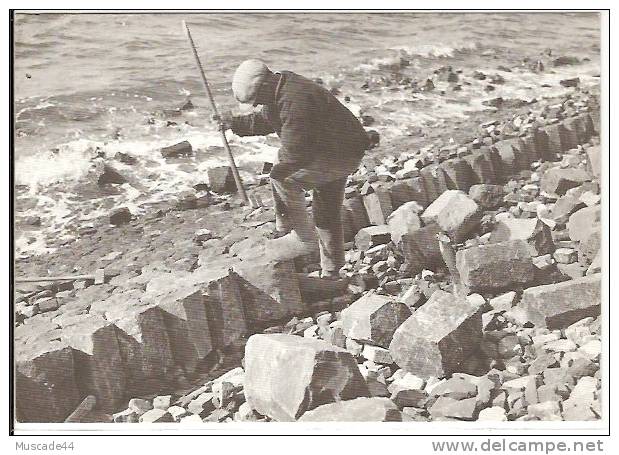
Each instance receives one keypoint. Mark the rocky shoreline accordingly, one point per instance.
(498, 321)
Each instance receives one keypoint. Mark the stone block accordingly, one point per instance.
(455, 213)
(455, 409)
(375, 409)
(487, 196)
(176, 150)
(269, 291)
(356, 213)
(438, 337)
(558, 305)
(482, 168)
(408, 190)
(221, 179)
(99, 367)
(404, 220)
(594, 160)
(287, 375)
(144, 345)
(458, 174)
(421, 248)
(496, 265)
(584, 223)
(374, 319)
(45, 388)
(186, 322)
(559, 180)
(509, 153)
(533, 231)
(378, 206)
(434, 181)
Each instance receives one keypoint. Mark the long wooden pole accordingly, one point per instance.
(235, 171)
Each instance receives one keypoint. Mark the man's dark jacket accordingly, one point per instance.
(310, 122)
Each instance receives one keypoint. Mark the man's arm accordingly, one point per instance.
(254, 124)
(296, 137)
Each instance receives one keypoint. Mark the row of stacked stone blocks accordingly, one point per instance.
(133, 342)
(489, 165)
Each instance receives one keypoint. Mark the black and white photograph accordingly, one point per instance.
(246, 218)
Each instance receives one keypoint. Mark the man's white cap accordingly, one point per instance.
(247, 80)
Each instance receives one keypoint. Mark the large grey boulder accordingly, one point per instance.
(287, 375)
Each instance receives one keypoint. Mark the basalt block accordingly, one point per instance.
(533, 231)
(221, 179)
(372, 236)
(363, 409)
(144, 345)
(434, 181)
(487, 196)
(99, 367)
(176, 150)
(408, 190)
(458, 174)
(269, 289)
(374, 319)
(559, 180)
(559, 305)
(481, 167)
(584, 223)
(543, 147)
(356, 212)
(378, 205)
(455, 213)
(510, 155)
(421, 248)
(186, 322)
(45, 385)
(594, 161)
(496, 265)
(528, 151)
(404, 220)
(287, 375)
(438, 337)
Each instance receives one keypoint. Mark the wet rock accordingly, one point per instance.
(303, 374)
(573, 82)
(496, 265)
(177, 150)
(120, 216)
(107, 174)
(438, 337)
(533, 231)
(558, 180)
(404, 220)
(374, 318)
(221, 179)
(455, 213)
(361, 409)
(561, 304)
